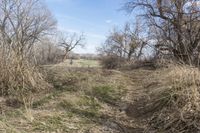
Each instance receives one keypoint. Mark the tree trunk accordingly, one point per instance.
(65, 56)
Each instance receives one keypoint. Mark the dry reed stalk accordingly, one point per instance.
(19, 78)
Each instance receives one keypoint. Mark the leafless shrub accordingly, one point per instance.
(111, 62)
(149, 62)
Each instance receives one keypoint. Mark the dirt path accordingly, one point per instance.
(132, 117)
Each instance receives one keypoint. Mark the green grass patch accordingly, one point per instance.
(89, 104)
(107, 94)
(13, 113)
(84, 108)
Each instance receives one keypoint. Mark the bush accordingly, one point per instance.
(111, 62)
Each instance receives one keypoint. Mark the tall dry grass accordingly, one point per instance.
(181, 97)
(19, 78)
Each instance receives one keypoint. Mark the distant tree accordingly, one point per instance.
(48, 52)
(70, 41)
(125, 43)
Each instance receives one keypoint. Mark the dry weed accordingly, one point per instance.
(181, 111)
(19, 78)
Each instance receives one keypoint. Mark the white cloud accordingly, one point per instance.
(108, 21)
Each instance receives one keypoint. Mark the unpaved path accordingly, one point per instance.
(132, 117)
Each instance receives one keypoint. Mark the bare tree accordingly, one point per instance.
(48, 52)
(22, 24)
(176, 21)
(125, 43)
(70, 41)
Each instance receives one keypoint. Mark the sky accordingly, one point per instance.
(94, 18)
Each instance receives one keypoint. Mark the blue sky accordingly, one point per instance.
(92, 17)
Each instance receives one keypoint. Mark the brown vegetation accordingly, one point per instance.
(157, 93)
(112, 62)
(179, 98)
(22, 24)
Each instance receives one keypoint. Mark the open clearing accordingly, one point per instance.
(83, 100)
(80, 63)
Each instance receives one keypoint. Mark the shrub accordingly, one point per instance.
(63, 81)
(111, 62)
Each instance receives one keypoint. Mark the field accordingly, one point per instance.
(86, 99)
(81, 63)
(82, 100)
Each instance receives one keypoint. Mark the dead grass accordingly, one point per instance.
(74, 104)
(177, 101)
(20, 79)
(96, 100)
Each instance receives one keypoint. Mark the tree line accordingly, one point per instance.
(171, 28)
